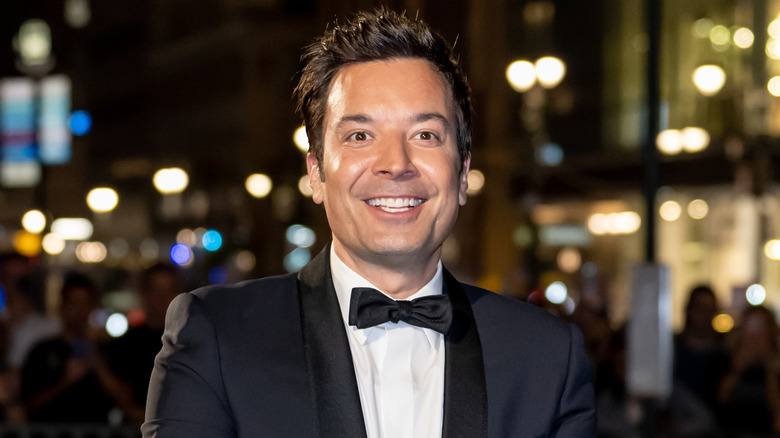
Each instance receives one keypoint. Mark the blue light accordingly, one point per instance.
(80, 122)
(296, 259)
(212, 240)
(2, 298)
(550, 154)
(218, 275)
(180, 253)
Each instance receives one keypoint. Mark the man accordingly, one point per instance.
(323, 353)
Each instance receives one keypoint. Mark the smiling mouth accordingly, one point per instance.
(394, 205)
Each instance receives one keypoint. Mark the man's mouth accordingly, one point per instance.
(395, 205)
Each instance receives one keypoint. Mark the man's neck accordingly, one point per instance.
(398, 276)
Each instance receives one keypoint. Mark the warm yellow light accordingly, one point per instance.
(625, 222)
(598, 224)
(476, 180)
(304, 187)
(245, 261)
(171, 180)
(723, 323)
(187, 237)
(670, 211)
(743, 38)
(774, 28)
(34, 221)
(300, 139)
(569, 260)
(34, 42)
(694, 139)
(720, 35)
(709, 79)
(53, 244)
(27, 244)
(774, 86)
(102, 199)
(669, 141)
(91, 252)
(702, 27)
(72, 228)
(698, 209)
(772, 49)
(259, 185)
(521, 75)
(550, 71)
(772, 249)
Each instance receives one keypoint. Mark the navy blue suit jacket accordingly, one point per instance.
(270, 358)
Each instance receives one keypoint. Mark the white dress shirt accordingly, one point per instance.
(399, 367)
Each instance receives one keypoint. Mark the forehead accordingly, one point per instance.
(398, 84)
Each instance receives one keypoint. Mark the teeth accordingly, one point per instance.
(395, 204)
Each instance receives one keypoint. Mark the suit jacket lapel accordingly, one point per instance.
(465, 390)
(329, 361)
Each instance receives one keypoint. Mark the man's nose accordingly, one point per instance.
(394, 159)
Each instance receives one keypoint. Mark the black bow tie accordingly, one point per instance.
(369, 307)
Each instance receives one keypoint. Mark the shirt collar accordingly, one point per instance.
(345, 279)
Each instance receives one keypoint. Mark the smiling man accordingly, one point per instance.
(373, 338)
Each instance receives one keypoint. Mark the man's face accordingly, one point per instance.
(392, 174)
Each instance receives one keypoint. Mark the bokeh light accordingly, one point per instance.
(258, 185)
(26, 244)
(296, 259)
(772, 249)
(171, 180)
(743, 38)
(117, 325)
(187, 237)
(670, 211)
(34, 221)
(304, 187)
(669, 141)
(556, 292)
(709, 79)
(702, 27)
(300, 236)
(102, 199)
(774, 86)
(626, 222)
(521, 75)
(755, 294)
(772, 49)
(300, 139)
(53, 244)
(698, 209)
(91, 252)
(476, 181)
(550, 71)
(694, 139)
(723, 323)
(569, 260)
(720, 35)
(80, 122)
(773, 29)
(180, 254)
(245, 261)
(212, 240)
(74, 228)
(549, 154)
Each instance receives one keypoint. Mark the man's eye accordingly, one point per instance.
(359, 136)
(427, 135)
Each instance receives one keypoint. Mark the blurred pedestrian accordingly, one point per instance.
(131, 356)
(749, 392)
(64, 379)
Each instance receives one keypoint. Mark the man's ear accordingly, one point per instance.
(315, 182)
(464, 180)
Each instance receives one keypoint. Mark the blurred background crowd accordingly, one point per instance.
(151, 146)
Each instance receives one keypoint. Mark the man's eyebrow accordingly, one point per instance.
(424, 117)
(357, 118)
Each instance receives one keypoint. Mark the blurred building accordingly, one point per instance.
(205, 86)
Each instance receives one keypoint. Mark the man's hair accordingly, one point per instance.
(372, 36)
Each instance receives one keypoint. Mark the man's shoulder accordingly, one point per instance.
(495, 310)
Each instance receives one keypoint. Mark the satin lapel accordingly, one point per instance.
(465, 393)
(329, 361)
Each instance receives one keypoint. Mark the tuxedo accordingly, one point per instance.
(270, 358)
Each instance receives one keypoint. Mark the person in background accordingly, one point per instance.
(700, 358)
(26, 324)
(64, 379)
(750, 392)
(131, 357)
